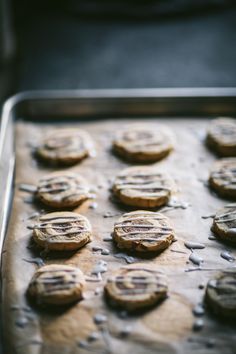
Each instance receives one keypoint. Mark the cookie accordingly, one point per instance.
(66, 146)
(61, 190)
(143, 231)
(224, 223)
(221, 294)
(143, 187)
(62, 231)
(136, 287)
(221, 136)
(223, 177)
(142, 143)
(56, 284)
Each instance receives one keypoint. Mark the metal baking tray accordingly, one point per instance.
(93, 105)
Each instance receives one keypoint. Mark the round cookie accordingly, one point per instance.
(142, 143)
(136, 287)
(62, 231)
(56, 284)
(221, 294)
(223, 177)
(66, 146)
(221, 136)
(143, 231)
(143, 187)
(224, 223)
(62, 190)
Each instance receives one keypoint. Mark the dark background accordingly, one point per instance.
(62, 45)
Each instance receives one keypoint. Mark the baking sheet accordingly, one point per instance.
(168, 328)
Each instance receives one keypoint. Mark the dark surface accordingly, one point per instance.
(59, 50)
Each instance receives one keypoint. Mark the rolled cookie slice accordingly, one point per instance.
(224, 223)
(66, 146)
(136, 287)
(143, 187)
(143, 231)
(56, 284)
(221, 294)
(221, 136)
(62, 231)
(62, 190)
(142, 143)
(223, 178)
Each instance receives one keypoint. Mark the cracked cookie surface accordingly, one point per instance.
(65, 147)
(221, 294)
(135, 287)
(224, 223)
(221, 136)
(62, 231)
(143, 231)
(142, 143)
(56, 285)
(143, 187)
(223, 177)
(62, 190)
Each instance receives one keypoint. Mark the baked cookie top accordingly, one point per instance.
(223, 177)
(62, 190)
(221, 136)
(221, 294)
(62, 231)
(143, 186)
(56, 284)
(66, 146)
(143, 143)
(224, 223)
(143, 231)
(135, 287)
